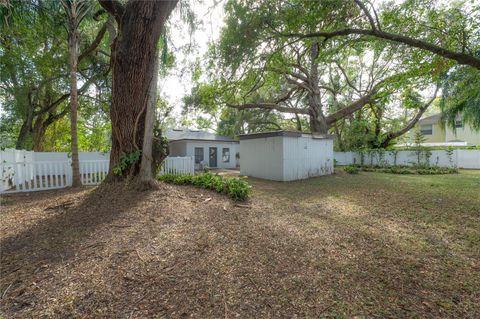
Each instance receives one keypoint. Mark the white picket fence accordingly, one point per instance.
(40, 175)
(178, 166)
(93, 172)
(23, 171)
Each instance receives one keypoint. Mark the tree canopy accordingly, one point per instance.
(342, 63)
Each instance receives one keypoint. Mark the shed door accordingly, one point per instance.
(212, 158)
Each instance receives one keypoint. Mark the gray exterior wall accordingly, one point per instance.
(187, 148)
(305, 157)
(262, 157)
(286, 157)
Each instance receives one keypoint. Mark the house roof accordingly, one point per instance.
(435, 119)
(431, 119)
(188, 134)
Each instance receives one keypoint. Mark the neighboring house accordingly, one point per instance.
(437, 133)
(208, 149)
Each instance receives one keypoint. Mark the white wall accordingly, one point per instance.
(262, 158)
(460, 158)
(187, 148)
(468, 158)
(306, 157)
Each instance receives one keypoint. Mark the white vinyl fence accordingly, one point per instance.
(36, 176)
(178, 166)
(25, 171)
(469, 159)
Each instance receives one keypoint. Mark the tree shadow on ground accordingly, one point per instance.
(53, 241)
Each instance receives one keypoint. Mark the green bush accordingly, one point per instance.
(436, 170)
(402, 169)
(351, 169)
(236, 188)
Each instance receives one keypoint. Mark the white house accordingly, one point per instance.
(285, 155)
(208, 149)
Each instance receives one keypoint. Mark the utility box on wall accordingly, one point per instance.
(286, 155)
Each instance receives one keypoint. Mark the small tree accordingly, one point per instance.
(419, 149)
(76, 11)
(449, 152)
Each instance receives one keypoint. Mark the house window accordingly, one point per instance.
(226, 155)
(426, 129)
(458, 124)
(198, 155)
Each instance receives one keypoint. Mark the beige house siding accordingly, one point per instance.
(437, 136)
(463, 134)
(443, 134)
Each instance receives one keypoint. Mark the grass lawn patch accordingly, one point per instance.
(366, 245)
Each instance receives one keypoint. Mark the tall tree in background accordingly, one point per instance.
(34, 82)
(265, 60)
(76, 11)
(140, 24)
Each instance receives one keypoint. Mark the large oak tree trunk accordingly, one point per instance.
(133, 54)
(146, 166)
(38, 135)
(318, 122)
(25, 130)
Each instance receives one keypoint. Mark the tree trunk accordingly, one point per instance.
(318, 122)
(26, 127)
(146, 165)
(298, 122)
(38, 135)
(73, 44)
(24, 132)
(133, 54)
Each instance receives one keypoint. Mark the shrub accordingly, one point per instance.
(236, 188)
(403, 169)
(351, 169)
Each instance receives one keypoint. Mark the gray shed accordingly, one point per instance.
(286, 155)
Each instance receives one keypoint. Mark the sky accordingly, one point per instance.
(177, 84)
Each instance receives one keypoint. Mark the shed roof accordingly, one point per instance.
(284, 133)
(188, 134)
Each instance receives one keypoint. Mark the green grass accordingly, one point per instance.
(415, 231)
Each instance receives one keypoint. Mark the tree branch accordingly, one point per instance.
(114, 7)
(268, 106)
(367, 13)
(95, 42)
(460, 58)
(350, 109)
(392, 135)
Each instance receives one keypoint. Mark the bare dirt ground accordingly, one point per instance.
(369, 245)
